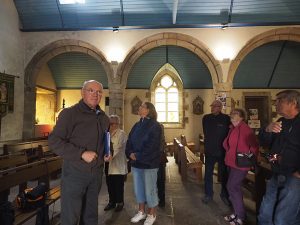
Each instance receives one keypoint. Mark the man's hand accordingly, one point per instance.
(275, 127)
(132, 156)
(89, 156)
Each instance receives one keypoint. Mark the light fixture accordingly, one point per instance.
(224, 26)
(64, 2)
(115, 29)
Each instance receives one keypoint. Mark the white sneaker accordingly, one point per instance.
(138, 217)
(150, 220)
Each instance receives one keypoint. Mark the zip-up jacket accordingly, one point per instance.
(79, 128)
(286, 144)
(144, 140)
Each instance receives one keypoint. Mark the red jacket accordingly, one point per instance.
(247, 142)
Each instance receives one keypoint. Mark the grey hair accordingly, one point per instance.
(242, 113)
(115, 117)
(290, 96)
(85, 83)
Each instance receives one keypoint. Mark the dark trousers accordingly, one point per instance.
(161, 182)
(210, 162)
(234, 187)
(79, 195)
(115, 188)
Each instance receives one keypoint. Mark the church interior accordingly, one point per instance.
(180, 55)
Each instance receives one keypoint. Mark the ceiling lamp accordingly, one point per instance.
(64, 2)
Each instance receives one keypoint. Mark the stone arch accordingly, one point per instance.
(288, 34)
(39, 59)
(176, 39)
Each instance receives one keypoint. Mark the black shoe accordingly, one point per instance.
(109, 206)
(226, 200)
(119, 207)
(161, 204)
(206, 199)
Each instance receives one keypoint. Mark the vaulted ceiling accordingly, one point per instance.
(42, 15)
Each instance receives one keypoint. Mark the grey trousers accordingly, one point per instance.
(79, 196)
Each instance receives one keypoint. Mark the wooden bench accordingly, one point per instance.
(176, 149)
(190, 145)
(9, 161)
(188, 160)
(31, 149)
(40, 170)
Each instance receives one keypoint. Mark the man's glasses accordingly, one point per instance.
(91, 91)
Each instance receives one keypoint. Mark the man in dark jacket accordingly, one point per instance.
(215, 128)
(281, 203)
(78, 138)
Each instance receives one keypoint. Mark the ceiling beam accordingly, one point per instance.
(175, 9)
(122, 12)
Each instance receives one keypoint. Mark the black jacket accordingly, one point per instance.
(286, 144)
(215, 129)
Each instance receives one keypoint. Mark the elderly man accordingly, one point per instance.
(215, 128)
(78, 138)
(281, 203)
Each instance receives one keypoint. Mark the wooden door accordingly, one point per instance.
(260, 104)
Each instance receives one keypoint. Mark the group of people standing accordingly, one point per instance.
(79, 138)
(79, 135)
(225, 136)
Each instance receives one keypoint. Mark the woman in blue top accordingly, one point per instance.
(143, 150)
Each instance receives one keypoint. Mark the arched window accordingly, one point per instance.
(166, 93)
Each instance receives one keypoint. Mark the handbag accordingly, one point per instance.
(242, 159)
(32, 198)
(245, 160)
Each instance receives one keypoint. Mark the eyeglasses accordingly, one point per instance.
(91, 91)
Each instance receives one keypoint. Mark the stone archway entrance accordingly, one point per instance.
(34, 66)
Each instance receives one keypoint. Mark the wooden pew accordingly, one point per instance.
(176, 150)
(190, 145)
(9, 161)
(29, 148)
(40, 170)
(188, 160)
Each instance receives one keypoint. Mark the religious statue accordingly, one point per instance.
(198, 106)
(135, 104)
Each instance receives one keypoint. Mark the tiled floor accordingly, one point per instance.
(183, 204)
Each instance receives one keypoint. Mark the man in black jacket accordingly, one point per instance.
(281, 203)
(215, 128)
(78, 138)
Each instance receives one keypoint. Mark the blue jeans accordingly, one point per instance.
(210, 162)
(145, 189)
(281, 203)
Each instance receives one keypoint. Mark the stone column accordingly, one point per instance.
(29, 112)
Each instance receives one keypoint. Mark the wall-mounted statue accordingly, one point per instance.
(135, 104)
(198, 106)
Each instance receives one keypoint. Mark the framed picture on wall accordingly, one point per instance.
(6, 93)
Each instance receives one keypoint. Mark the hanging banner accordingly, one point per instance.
(6, 93)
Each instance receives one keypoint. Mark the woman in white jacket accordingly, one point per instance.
(117, 165)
